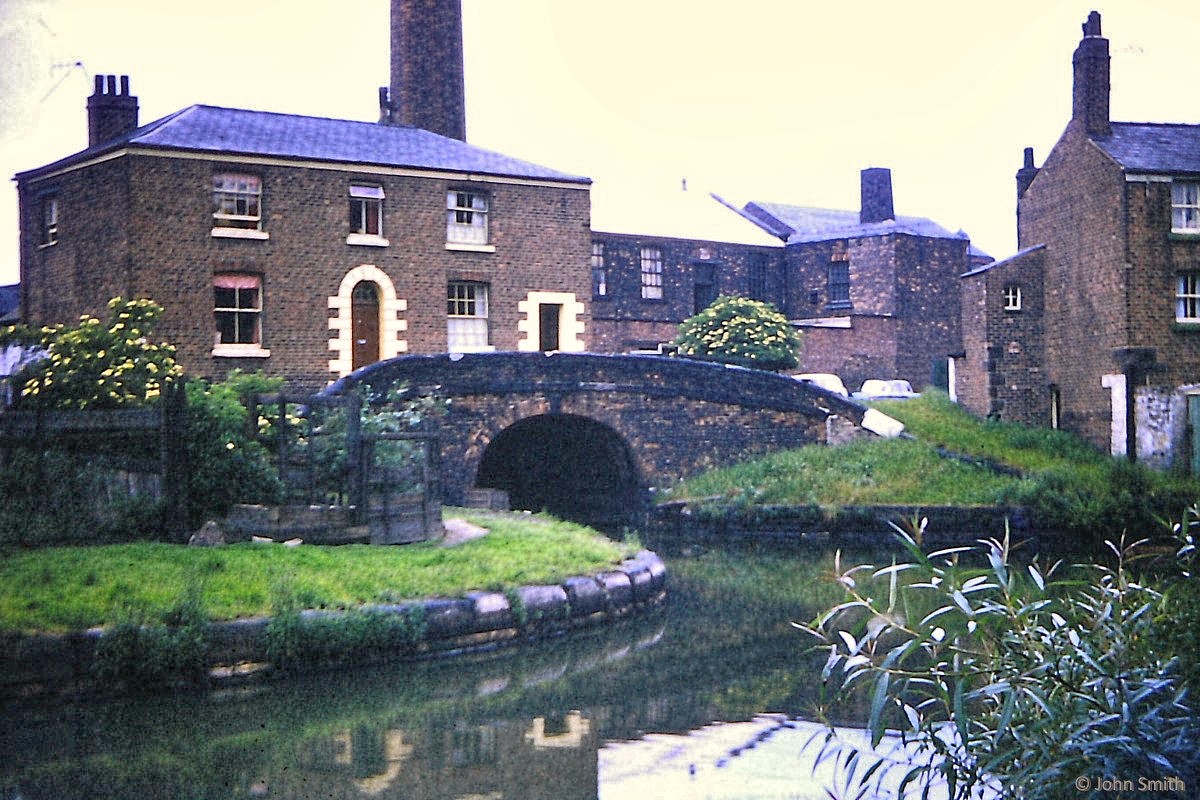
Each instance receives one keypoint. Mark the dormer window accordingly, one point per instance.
(1185, 207)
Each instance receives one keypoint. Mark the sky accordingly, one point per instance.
(776, 100)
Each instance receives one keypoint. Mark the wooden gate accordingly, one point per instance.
(345, 475)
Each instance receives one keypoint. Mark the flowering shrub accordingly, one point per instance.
(99, 364)
(737, 330)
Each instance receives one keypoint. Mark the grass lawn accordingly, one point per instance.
(71, 588)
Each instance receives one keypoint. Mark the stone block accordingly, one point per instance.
(544, 602)
(587, 596)
(617, 587)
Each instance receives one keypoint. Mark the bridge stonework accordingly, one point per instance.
(588, 436)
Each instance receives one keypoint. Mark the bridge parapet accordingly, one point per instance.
(587, 435)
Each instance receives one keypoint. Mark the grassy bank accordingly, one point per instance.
(72, 588)
(1066, 483)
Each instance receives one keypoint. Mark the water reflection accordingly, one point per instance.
(530, 723)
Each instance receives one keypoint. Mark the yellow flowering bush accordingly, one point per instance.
(737, 330)
(100, 364)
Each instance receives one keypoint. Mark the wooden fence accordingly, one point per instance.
(135, 442)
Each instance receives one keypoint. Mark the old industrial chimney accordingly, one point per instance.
(1090, 93)
(112, 111)
(876, 195)
(427, 68)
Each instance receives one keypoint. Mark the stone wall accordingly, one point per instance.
(624, 320)
(1002, 371)
(674, 417)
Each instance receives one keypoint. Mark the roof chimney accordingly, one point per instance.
(1026, 173)
(876, 195)
(427, 67)
(112, 110)
(1090, 92)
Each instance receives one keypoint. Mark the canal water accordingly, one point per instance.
(705, 697)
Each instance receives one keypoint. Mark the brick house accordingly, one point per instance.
(1108, 275)
(875, 294)
(305, 246)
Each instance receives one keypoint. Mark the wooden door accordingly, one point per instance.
(364, 324)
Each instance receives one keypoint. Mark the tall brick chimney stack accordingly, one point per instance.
(427, 68)
(1026, 173)
(112, 111)
(876, 184)
(1090, 93)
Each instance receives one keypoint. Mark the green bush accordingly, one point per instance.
(139, 653)
(353, 636)
(1008, 681)
(227, 463)
(737, 330)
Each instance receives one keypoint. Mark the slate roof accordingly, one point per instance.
(1153, 147)
(821, 224)
(1014, 257)
(675, 214)
(10, 301)
(263, 133)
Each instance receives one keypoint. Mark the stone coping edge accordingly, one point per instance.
(863, 526)
(34, 664)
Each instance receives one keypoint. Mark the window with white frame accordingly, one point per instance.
(599, 271)
(652, 274)
(237, 201)
(1185, 207)
(1012, 298)
(467, 317)
(366, 210)
(237, 308)
(49, 220)
(1187, 297)
(466, 217)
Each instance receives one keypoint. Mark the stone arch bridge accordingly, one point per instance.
(587, 436)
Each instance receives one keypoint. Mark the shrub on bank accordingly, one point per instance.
(741, 331)
(1007, 681)
(226, 462)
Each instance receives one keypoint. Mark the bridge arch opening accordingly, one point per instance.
(570, 466)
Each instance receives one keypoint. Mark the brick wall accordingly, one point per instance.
(1075, 206)
(903, 310)
(1002, 374)
(624, 320)
(1157, 258)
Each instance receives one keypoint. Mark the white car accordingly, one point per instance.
(826, 380)
(885, 390)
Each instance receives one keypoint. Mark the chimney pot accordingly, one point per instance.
(1026, 173)
(1090, 89)
(111, 114)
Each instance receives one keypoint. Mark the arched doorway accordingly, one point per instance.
(364, 323)
(571, 466)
